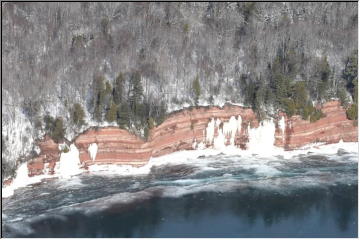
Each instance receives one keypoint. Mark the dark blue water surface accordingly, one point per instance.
(310, 196)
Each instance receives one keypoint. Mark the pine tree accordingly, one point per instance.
(324, 69)
(196, 90)
(111, 113)
(299, 94)
(123, 115)
(259, 101)
(151, 123)
(341, 94)
(289, 106)
(351, 69)
(118, 89)
(355, 91)
(49, 123)
(99, 93)
(108, 88)
(322, 73)
(77, 114)
(59, 130)
(136, 92)
(352, 112)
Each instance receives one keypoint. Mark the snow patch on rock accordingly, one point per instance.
(93, 151)
(282, 125)
(232, 127)
(262, 138)
(210, 131)
(227, 131)
(69, 163)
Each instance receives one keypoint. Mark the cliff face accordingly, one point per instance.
(329, 129)
(46, 161)
(113, 145)
(186, 129)
(197, 128)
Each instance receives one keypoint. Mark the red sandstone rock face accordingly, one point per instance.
(115, 146)
(181, 129)
(46, 161)
(330, 129)
(7, 182)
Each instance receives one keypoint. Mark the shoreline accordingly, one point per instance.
(180, 157)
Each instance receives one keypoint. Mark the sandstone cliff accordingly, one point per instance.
(197, 128)
(330, 129)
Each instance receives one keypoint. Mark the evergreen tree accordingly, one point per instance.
(77, 114)
(49, 124)
(99, 97)
(324, 69)
(196, 90)
(151, 123)
(352, 112)
(250, 94)
(111, 113)
(136, 92)
(299, 94)
(108, 88)
(118, 89)
(260, 100)
(355, 91)
(59, 130)
(282, 88)
(351, 70)
(146, 132)
(323, 78)
(350, 75)
(341, 94)
(123, 115)
(289, 106)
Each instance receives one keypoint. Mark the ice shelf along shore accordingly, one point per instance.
(229, 128)
(217, 136)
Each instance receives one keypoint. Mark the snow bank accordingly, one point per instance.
(69, 165)
(22, 179)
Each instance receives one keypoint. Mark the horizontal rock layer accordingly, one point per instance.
(186, 129)
(46, 161)
(329, 129)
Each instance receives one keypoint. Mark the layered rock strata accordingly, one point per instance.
(45, 163)
(197, 128)
(329, 129)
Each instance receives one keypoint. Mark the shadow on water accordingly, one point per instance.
(316, 212)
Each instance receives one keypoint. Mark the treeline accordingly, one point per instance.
(124, 103)
(285, 89)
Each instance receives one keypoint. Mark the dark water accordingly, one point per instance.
(310, 196)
